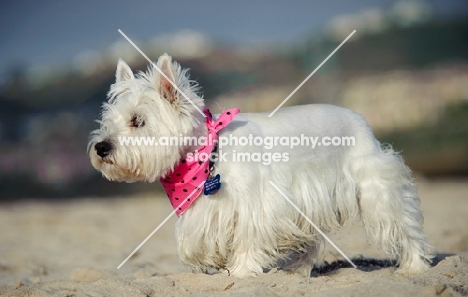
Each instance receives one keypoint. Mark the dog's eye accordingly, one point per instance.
(137, 122)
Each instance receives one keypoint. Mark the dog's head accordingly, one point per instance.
(161, 102)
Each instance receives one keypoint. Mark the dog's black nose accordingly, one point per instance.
(103, 148)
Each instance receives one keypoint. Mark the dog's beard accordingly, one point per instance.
(132, 164)
(115, 169)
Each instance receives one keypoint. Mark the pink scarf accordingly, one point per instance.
(185, 183)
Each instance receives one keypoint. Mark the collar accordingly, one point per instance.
(185, 182)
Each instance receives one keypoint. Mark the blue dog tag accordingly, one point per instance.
(212, 185)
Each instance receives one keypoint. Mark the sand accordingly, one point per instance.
(73, 249)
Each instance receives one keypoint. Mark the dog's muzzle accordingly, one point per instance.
(103, 148)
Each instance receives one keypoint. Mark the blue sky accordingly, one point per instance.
(42, 33)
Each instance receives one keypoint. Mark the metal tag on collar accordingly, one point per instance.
(212, 185)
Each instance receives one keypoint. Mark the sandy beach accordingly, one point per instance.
(72, 248)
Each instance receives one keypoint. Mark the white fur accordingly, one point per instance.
(248, 225)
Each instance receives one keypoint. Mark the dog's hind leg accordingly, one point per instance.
(390, 208)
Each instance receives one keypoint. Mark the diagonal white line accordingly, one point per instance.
(146, 239)
(164, 75)
(315, 226)
(310, 75)
(160, 225)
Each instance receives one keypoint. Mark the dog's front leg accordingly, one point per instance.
(246, 263)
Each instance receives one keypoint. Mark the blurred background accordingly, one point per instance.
(405, 70)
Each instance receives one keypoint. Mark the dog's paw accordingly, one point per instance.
(412, 268)
(242, 272)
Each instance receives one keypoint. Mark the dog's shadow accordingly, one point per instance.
(364, 264)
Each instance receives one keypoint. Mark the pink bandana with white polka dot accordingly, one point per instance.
(186, 181)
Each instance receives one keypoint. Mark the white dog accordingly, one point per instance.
(248, 225)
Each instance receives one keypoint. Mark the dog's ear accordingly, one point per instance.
(167, 78)
(123, 72)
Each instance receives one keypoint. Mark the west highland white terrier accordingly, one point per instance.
(246, 225)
